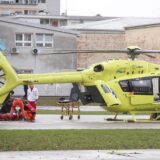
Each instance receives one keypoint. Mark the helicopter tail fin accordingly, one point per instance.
(8, 77)
(3, 97)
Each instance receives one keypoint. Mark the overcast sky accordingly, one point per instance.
(134, 8)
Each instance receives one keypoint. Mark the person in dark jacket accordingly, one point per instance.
(6, 106)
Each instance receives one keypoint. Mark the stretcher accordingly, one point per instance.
(69, 108)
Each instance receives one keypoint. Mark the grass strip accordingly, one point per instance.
(27, 140)
(82, 112)
(41, 111)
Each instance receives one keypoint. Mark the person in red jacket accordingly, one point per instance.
(26, 111)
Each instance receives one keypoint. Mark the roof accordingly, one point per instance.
(143, 26)
(116, 24)
(66, 17)
(51, 28)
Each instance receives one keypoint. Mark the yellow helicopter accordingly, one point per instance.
(119, 85)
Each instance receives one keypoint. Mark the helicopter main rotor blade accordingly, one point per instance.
(1, 82)
(94, 51)
(146, 51)
(86, 51)
(148, 55)
(2, 75)
(128, 51)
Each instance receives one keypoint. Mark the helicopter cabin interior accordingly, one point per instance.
(143, 86)
(138, 89)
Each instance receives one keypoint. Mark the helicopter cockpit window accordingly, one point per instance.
(105, 88)
(125, 85)
(142, 86)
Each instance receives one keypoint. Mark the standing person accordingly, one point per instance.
(25, 87)
(32, 97)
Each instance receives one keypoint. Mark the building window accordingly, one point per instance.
(55, 23)
(30, 12)
(23, 39)
(41, 1)
(44, 40)
(7, 1)
(44, 21)
(25, 11)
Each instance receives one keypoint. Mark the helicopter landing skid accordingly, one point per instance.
(132, 121)
(112, 119)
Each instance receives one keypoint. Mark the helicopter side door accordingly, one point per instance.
(108, 94)
(156, 89)
(140, 90)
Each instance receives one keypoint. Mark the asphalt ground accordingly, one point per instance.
(82, 108)
(85, 122)
(83, 155)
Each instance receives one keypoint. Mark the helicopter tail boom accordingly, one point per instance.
(64, 77)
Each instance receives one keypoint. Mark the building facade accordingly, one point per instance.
(29, 7)
(146, 37)
(58, 21)
(29, 47)
(116, 34)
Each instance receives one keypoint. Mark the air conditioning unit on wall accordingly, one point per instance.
(34, 51)
(14, 50)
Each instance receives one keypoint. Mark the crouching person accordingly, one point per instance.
(25, 111)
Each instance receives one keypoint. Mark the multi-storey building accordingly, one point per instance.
(57, 21)
(29, 7)
(30, 48)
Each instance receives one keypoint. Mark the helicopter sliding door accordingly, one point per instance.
(156, 89)
(140, 90)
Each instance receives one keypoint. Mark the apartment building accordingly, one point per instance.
(29, 7)
(62, 20)
(29, 47)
